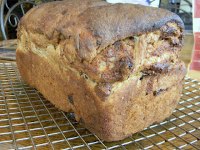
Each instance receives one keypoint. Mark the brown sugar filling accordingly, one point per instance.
(151, 52)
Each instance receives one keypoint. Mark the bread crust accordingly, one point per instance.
(93, 25)
(117, 72)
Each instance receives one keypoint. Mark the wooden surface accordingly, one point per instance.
(186, 55)
(7, 50)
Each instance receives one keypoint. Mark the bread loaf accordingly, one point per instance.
(116, 66)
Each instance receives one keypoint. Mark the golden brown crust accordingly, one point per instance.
(117, 72)
(93, 25)
(134, 105)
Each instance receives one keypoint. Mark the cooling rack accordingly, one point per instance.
(29, 121)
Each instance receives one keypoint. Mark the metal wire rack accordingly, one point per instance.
(29, 121)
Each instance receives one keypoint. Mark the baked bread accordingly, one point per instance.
(116, 66)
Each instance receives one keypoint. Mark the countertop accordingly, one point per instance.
(7, 54)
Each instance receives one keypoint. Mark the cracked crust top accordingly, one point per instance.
(93, 24)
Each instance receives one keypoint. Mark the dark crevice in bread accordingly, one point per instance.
(70, 99)
(156, 68)
(158, 92)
